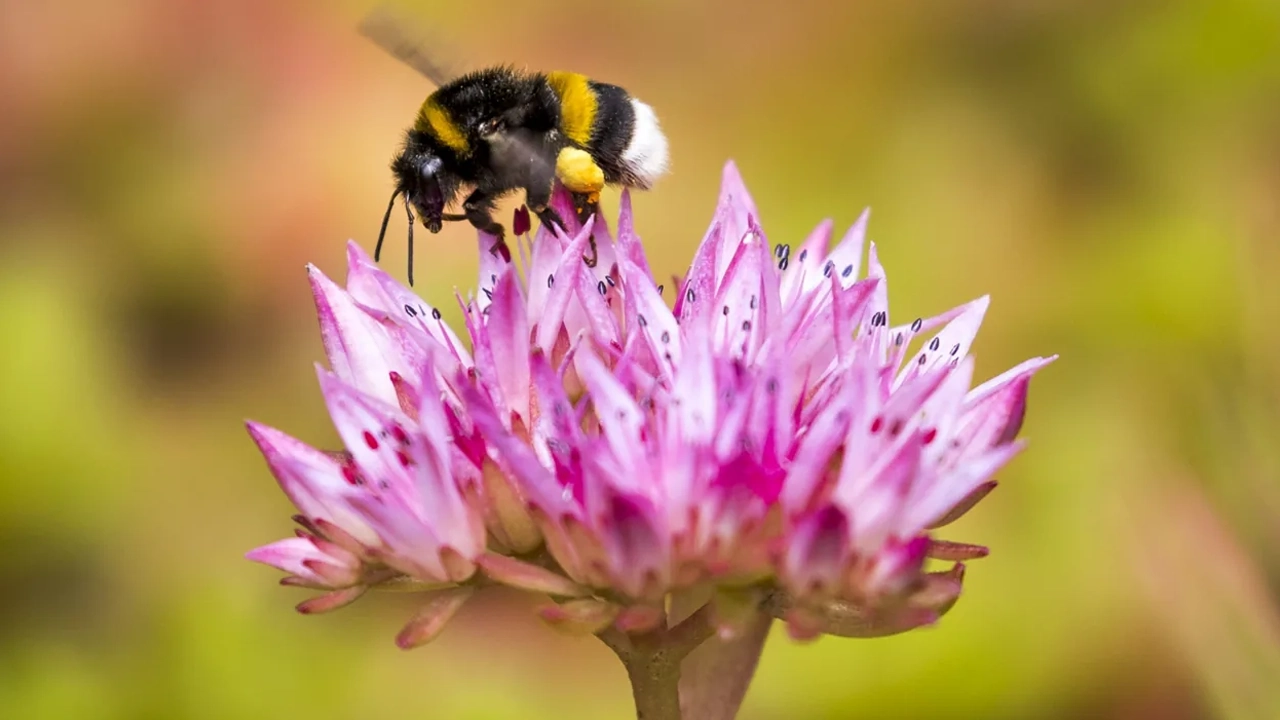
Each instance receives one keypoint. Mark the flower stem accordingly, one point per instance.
(655, 685)
(652, 660)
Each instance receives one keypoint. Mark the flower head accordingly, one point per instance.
(770, 433)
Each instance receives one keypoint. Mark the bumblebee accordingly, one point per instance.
(498, 130)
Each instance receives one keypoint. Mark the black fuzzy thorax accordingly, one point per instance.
(525, 103)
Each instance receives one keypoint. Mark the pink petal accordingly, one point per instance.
(647, 312)
(876, 497)
(287, 555)
(994, 411)
(700, 284)
(804, 268)
(566, 281)
(378, 292)
(951, 344)
(809, 470)
(436, 612)
(508, 334)
(930, 509)
(621, 419)
(543, 491)
(946, 550)
(361, 350)
(493, 264)
(629, 245)
(522, 575)
(636, 545)
(897, 566)
(739, 307)
(593, 302)
(817, 551)
(331, 601)
(735, 212)
(846, 258)
(580, 617)
(314, 482)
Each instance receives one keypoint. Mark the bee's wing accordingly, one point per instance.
(406, 41)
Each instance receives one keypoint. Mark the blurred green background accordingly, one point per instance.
(1108, 171)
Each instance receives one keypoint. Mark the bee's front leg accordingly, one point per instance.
(479, 212)
(538, 197)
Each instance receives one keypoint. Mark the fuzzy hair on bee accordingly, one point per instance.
(497, 130)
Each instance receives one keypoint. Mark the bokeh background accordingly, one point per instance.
(1108, 171)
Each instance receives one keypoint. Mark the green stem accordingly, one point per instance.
(655, 685)
(652, 660)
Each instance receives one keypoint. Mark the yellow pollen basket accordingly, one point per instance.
(579, 173)
(435, 120)
(577, 105)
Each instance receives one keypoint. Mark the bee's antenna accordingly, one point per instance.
(377, 251)
(409, 211)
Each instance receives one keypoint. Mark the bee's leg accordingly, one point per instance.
(538, 197)
(479, 212)
(587, 205)
(584, 179)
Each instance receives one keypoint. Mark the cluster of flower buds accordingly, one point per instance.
(761, 430)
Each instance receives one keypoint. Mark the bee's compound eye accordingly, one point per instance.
(490, 126)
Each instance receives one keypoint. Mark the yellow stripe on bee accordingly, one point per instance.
(577, 105)
(579, 173)
(435, 120)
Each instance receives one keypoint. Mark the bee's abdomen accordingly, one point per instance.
(620, 132)
(626, 139)
(611, 128)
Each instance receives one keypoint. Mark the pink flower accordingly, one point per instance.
(771, 435)
(389, 508)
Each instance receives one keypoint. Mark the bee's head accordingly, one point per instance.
(426, 186)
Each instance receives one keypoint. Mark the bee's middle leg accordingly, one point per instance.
(538, 197)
